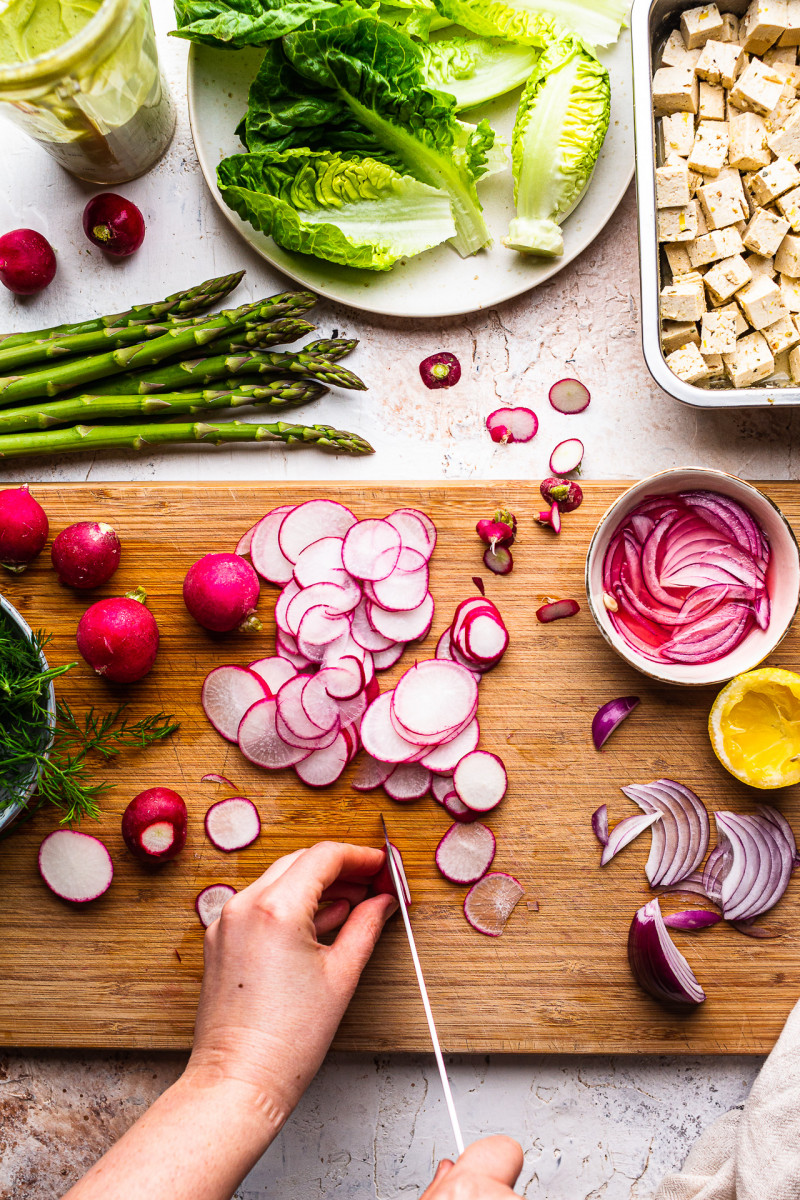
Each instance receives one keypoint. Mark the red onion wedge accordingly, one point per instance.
(681, 839)
(624, 833)
(442, 370)
(556, 610)
(759, 931)
(232, 824)
(491, 901)
(480, 781)
(569, 396)
(508, 425)
(499, 561)
(551, 518)
(760, 865)
(211, 901)
(226, 695)
(609, 716)
(657, 964)
(692, 919)
(567, 456)
(465, 853)
(600, 824)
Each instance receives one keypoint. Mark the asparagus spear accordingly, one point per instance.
(278, 393)
(50, 381)
(200, 372)
(147, 436)
(261, 337)
(192, 300)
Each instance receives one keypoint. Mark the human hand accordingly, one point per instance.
(487, 1170)
(273, 995)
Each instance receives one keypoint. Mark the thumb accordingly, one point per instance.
(444, 1168)
(497, 1158)
(359, 935)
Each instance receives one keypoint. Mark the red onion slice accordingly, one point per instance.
(600, 824)
(680, 842)
(609, 716)
(761, 864)
(692, 919)
(624, 833)
(657, 964)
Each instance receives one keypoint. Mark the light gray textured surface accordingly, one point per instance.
(592, 1128)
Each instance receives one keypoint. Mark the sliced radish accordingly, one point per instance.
(321, 562)
(486, 637)
(76, 866)
(265, 552)
(408, 626)
(566, 457)
(212, 777)
(210, 902)
(324, 767)
(371, 549)
(441, 787)
(383, 659)
(290, 592)
(400, 591)
(311, 521)
(245, 541)
(351, 711)
(344, 679)
(458, 810)
(409, 781)
(433, 699)
(364, 634)
(499, 560)
(410, 560)
(569, 396)
(379, 736)
(371, 774)
(512, 425)
(274, 671)
(465, 853)
(260, 742)
(444, 651)
(226, 695)
(551, 517)
(489, 904)
(556, 610)
(383, 884)
(480, 780)
(319, 741)
(232, 824)
(285, 649)
(415, 528)
(445, 758)
(306, 707)
(318, 628)
(327, 596)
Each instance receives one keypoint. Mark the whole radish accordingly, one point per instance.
(119, 638)
(23, 528)
(154, 825)
(114, 224)
(27, 261)
(86, 554)
(221, 592)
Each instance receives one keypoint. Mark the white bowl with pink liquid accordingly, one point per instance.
(782, 576)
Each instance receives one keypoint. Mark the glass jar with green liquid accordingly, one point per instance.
(82, 78)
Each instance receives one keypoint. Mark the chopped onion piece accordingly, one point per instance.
(680, 842)
(624, 832)
(600, 824)
(657, 964)
(692, 919)
(609, 716)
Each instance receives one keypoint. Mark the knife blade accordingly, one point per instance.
(437, 1050)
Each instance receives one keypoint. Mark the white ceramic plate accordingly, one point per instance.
(438, 283)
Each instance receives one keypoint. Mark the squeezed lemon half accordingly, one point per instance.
(754, 727)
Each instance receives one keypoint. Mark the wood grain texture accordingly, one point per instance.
(125, 971)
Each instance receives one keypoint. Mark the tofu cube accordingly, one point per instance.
(688, 364)
(765, 232)
(678, 259)
(764, 22)
(740, 324)
(789, 73)
(675, 89)
(791, 37)
(794, 364)
(675, 53)
(730, 28)
(747, 149)
(722, 203)
(787, 260)
(761, 302)
(782, 335)
(675, 334)
(715, 366)
(720, 62)
(678, 224)
(751, 361)
(790, 207)
(676, 135)
(787, 102)
(759, 264)
(712, 102)
(710, 149)
(700, 24)
(684, 299)
(758, 89)
(719, 244)
(726, 278)
(772, 181)
(790, 293)
(718, 333)
(786, 55)
(747, 184)
(784, 141)
(672, 185)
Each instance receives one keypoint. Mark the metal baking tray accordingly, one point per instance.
(652, 21)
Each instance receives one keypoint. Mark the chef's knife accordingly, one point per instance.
(437, 1050)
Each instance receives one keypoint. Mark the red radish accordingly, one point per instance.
(499, 561)
(245, 541)
(260, 742)
(566, 493)
(509, 425)
(480, 780)
(458, 810)
(379, 736)
(86, 555)
(465, 853)
(227, 694)
(76, 866)
(27, 261)
(489, 904)
(311, 521)
(119, 638)
(23, 528)
(232, 824)
(154, 825)
(274, 671)
(383, 884)
(383, 659)
(114, 224)
(556, 610)
(552, 518)
(415, 528)
(210, 902)
(434, 699)
(569, 396)
(371, 774)
(408, 626)
(212, 777)
(371, 549)
(441, 787)
(324, 766)
(221, 593)
(401, 591)
(408, 781)
(265, 552)
(566, 457)
(447, 756)
(441, 370)
(495, 531)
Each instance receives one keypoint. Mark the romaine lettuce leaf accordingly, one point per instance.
(238, 23)
(561, 124)
(535, 22)
(475, 70)
(357, 212)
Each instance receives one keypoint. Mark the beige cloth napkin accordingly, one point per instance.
(751, 1153)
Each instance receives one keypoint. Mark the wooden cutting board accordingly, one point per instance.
(126, 970)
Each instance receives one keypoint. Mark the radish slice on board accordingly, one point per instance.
(512, 425)
(260, 742)
(434, 698)
(76, 866)
(274, 671)
(383, 659)
(409, 781)
(400, 591)
(556, 610)
(379, 736)
(485, 637)
(371, 549)
(444, 651)
(226, 695)
(569, 396)
(324, 767)
(408, 626)
(371, 774)
(458, 810)
(383, 884)
(210, 902)
(489, 904)
(308, 744)
(364, 634)
(465, 853)
(445, 758)
(415, 528)
(232, 824)
(311, 521)
(344, 679)
(243, 545)
(442, 786)
(566, 457)
(499, 560)
(480, 780)
(321, 562)
(212, 777)
(265, 552)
